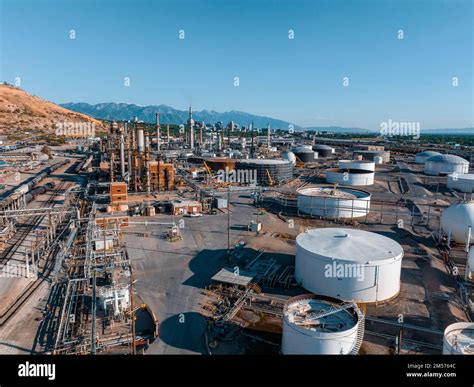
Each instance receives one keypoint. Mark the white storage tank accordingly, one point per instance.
(373, 155)
(462, 183)
(289, 156)
(446, 164)
(333, 203)
(319, 325)
(420, 158)
(356, 177)
(348, 264)
(364, 165)
(457, 222)
(378, 160)
(459, 339)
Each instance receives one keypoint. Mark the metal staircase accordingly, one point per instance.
(360, 334)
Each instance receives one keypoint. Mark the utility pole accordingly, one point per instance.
(157, 120)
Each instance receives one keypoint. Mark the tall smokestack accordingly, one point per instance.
(140, 140)
(200, 133)
(268, 135)
(122, 157)
(168, 133)
(157, 117)
(191, 128)
(252, 146)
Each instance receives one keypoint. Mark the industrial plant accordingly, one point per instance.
(225, 238)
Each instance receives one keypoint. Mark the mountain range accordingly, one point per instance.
(169, 115)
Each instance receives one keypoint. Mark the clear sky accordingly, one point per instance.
(298, 80)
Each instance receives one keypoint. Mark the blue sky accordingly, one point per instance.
(298, 80)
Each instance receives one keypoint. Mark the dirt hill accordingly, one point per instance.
(21, 112)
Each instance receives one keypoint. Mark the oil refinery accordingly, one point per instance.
(235, 191)
(232, 238)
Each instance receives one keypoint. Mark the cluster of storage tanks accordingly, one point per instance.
(341, 267)
(457, 223)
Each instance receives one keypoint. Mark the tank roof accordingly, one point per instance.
(461, 337)
(302, 149)
(357, 161)
(320, 314)
(462, 176)
(322, 146)
(447, 158)
(428, 153)
(264, 161)
(331, 192)
(349, 170)
(350, 245)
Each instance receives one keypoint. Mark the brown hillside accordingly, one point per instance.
(20, 111)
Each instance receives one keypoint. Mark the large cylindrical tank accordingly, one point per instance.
(356, 177)
(446, 164)
(372, 155)
(323, 150)
(319, 325)
(458, 339)
(457, 221)
(462, 183)
(420, 158)
(364, 165)
(331, 203)
(267, 171)
(305, 154)
(289, 156)
(348, 264)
